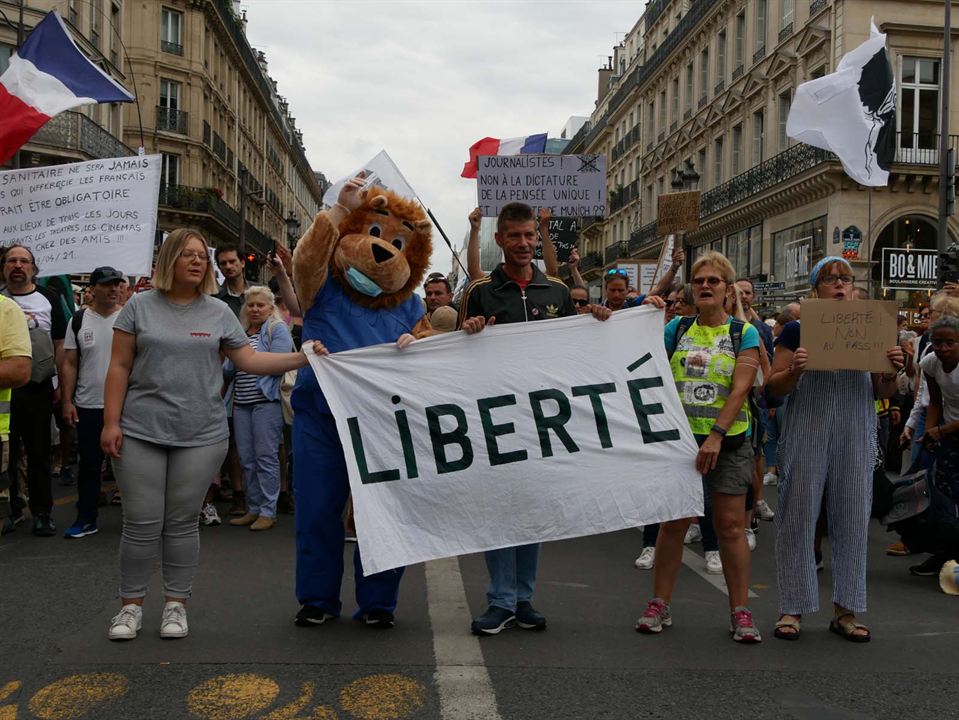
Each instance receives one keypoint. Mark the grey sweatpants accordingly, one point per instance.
(162, 489)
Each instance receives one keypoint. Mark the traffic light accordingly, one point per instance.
(251, 268)
(949, 266)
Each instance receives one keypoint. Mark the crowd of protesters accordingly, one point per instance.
(106, 371)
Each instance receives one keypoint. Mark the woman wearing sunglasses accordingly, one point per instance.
(714, 360)
(827, 448)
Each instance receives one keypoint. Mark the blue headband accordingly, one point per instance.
(817, 268)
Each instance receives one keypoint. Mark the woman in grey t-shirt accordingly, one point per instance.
(165, 424)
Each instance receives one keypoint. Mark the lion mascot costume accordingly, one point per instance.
(355, 272)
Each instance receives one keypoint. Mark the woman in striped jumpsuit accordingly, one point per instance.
(827, 447)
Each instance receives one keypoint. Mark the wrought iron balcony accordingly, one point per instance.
(219, 147)
(720, 86)
(922, 148)
(702, 102)
(171, 47)
(171, 120)
(688, 114)
(205, 201)
(737, 73)
(672, 126)
(623, 196)
(207, 134)
(816, 6)
(786, 32)
(592, 260)
(75, 131)
(759, 54)
(641, 236)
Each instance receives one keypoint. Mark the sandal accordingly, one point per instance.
(847, 630)
(788, 627)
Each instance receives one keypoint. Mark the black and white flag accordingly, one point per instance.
(852, 112)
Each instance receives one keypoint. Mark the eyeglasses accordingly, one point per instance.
(191, 255)
(712, 281)
(836, 279)
(670, 303)
(939, 342)
(581, 303)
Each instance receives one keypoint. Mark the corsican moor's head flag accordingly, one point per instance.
(379, 170)
(852, 112)
(47, 75)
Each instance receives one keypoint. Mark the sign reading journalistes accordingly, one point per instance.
(79, 216)
(569, 185)
(444, 463)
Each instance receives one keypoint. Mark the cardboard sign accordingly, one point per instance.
(910, 269)
(678, 212)
(849, 335)
(665, 261)
(564, 232)
(569, 185)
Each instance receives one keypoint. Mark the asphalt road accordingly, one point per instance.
(244, 658)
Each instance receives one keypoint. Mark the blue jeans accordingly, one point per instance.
(512, 575)
(920, 457)
(257, 429)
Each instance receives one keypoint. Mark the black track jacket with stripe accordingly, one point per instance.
(500, 296)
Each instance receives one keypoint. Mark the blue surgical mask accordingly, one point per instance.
(359, 282)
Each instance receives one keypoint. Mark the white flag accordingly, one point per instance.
(384, 173)
(852, 112)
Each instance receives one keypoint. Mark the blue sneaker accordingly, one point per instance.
(80, 529)
(493, 621)
(528, 617)
(67, 477)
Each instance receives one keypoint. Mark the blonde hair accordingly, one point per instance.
(170, 253)
(945, 304)
(263, 292)
(738, 311)
(718, 261)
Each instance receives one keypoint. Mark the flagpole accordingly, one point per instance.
(16, 155)
(448, 243)
(944, 170)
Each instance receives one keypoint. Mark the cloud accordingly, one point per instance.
(425, 80)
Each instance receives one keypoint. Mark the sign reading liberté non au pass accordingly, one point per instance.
(569, 185)
(910, 269)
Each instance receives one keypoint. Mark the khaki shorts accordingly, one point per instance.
(734, 471)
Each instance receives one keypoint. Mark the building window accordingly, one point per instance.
(170, 94)
(5, 52)
(919, 111)
(169, 170)
(746, 250)
(96, 7)
(701, 167)
(704, 73)
(171, 37)
(662, 114)
(675, 108)
(721, 57)
(789, 12)
(795, 250)
(718, 162)
(757, 138)
(740, 39)
(72, 12)
(689, 88)
(760, 43)
(737, 150)
(115, 25)
(785, 102)
(648, 204)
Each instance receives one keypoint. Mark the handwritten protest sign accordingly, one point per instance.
(445, 463)
(79, 216)
(851, 335)
(569, 185)
(564, 232)
(677, 212)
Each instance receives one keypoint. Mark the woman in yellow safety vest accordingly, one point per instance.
(714, 358)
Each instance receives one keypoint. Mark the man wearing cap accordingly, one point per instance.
(87, 348)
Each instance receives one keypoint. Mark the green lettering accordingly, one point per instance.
(555, 422)
(643, 410)
(493, 431)
(366, 477)
(456, 436)
(599, 412)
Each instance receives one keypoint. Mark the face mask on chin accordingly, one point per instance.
(362, 284)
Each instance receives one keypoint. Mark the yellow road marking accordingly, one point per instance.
(76, 696)
(382, 697)
(292, 711)
(8, 712)
(9, 689)
(233, 696)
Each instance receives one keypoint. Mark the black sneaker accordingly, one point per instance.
(308, 616)
(382, 619)
(43, 526)
(493, 621)
(929, 567)
(285, 504)
(529, 618)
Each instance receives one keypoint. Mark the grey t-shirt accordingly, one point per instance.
(173, 397)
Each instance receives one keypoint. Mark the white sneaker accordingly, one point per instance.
(209, 515)
(693, 534)
(750, 539)
(714, 565)
(173, 622)
(770, 479)
(126, 623)
(646, 559)
(763, 511)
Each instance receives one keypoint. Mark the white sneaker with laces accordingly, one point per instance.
(646, 559)
(770, 479)
(173, 622)
(208, 515)
(750, 539)
(126, 623)
(763, 511)
(714, 565)
(693, 534)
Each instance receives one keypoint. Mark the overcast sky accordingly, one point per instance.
(425, 80)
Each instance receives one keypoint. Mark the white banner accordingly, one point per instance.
(569, 185)
(521, 433)
(80, 216)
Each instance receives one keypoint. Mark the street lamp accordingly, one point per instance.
(292, 229)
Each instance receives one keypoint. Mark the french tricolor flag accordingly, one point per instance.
(511, 146)
(46, 76)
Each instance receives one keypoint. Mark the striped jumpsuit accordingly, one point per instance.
(827, 445)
